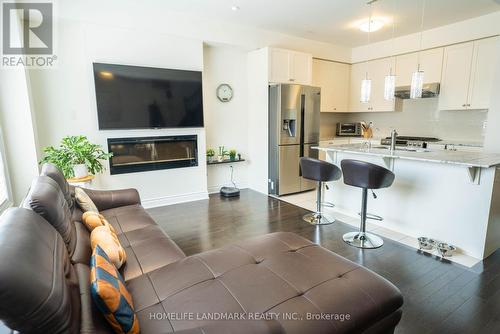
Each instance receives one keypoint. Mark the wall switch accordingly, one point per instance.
(485, 125)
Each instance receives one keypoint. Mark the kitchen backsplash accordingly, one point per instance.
(416, 118)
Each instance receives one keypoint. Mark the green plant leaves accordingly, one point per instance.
(75, 150)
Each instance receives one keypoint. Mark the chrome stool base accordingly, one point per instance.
(363, 240)
(315, 218)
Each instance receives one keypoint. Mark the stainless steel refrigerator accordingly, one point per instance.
(294, 117)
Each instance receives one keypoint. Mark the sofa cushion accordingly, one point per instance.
(55, 174)
(46, 198)
(39, 289)
(84, 201)
(110, 294)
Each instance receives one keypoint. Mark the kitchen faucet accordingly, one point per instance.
(394, 134)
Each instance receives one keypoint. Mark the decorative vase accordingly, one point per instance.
(220, 158)
(211, 158)
(80, 170)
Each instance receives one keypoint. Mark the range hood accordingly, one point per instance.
(428, 90)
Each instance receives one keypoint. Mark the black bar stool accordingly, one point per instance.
(367, 176)
(320, 171)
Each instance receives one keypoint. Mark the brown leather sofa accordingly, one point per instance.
(276, 283)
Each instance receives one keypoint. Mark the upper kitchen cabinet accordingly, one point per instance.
(484, 60)
(431, 62)
(467, 75)
(377, 71)
(333, 78)
(286, 66)
(457, 64)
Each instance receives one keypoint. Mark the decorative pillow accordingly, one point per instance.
(93, 219)
(110, 294)
(84, 200)
(108, 241)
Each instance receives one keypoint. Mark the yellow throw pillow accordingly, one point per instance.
(108, 241)
(84, 200)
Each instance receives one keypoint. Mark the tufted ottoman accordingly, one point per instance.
(282, 280)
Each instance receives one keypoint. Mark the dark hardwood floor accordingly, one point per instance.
(440, 296)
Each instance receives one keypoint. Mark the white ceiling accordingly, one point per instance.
(333, 21)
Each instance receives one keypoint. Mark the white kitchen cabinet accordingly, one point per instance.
(358, 73)
(377, 71)
(286, 66)
(431, 62)
(484, 59)
(457, 65)
(468, 70)
(333, 78)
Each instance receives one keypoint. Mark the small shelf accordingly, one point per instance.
(225, 161)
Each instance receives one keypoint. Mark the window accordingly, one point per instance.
(5, 198)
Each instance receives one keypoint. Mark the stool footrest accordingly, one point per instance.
(372, 216)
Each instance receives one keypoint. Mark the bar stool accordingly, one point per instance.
(366, 176)
(320, 171)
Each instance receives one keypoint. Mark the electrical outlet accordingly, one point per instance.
(485, 125)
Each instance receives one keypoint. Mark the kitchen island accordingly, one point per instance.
(451, 196)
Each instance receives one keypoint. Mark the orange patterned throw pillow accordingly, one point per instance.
(110, 294)
(93, 219)
(103, 237)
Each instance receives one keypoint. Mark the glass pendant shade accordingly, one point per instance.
(366, 90)
(389, 87)
(417, 83)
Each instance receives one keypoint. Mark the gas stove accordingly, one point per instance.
(410, 141)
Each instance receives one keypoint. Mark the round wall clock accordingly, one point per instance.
(224, 93)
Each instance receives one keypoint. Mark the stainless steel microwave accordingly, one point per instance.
(349, 129)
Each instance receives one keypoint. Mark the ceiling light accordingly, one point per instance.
(374, 25)
(235, 8)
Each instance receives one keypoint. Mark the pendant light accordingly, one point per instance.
(366, 83)
(390, 80)
(417, 79)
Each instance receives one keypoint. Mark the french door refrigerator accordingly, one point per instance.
(294, 117)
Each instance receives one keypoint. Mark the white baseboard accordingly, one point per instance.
(174, 199)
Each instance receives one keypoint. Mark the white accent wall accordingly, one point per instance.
(65, 102)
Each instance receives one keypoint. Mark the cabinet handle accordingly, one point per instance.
(334, 108)
(464, 105)
(292, 79)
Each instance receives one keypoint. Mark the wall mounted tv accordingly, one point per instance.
(132, 97)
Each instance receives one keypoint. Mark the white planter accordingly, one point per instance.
(80, 170)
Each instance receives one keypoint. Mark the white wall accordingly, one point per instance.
(226, 122)
(65, 101)
(479, 27)
(492, 140)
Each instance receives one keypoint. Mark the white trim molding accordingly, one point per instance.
(174, 199)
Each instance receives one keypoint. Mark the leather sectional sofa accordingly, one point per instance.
(276, 283)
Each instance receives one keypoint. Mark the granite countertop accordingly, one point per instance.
(467, 159)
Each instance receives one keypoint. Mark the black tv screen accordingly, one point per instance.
(132, 97)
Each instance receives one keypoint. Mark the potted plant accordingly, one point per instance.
(232, 155)
(210, 155)
(76, 156)
(222, 153)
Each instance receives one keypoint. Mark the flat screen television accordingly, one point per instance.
(133, 97)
